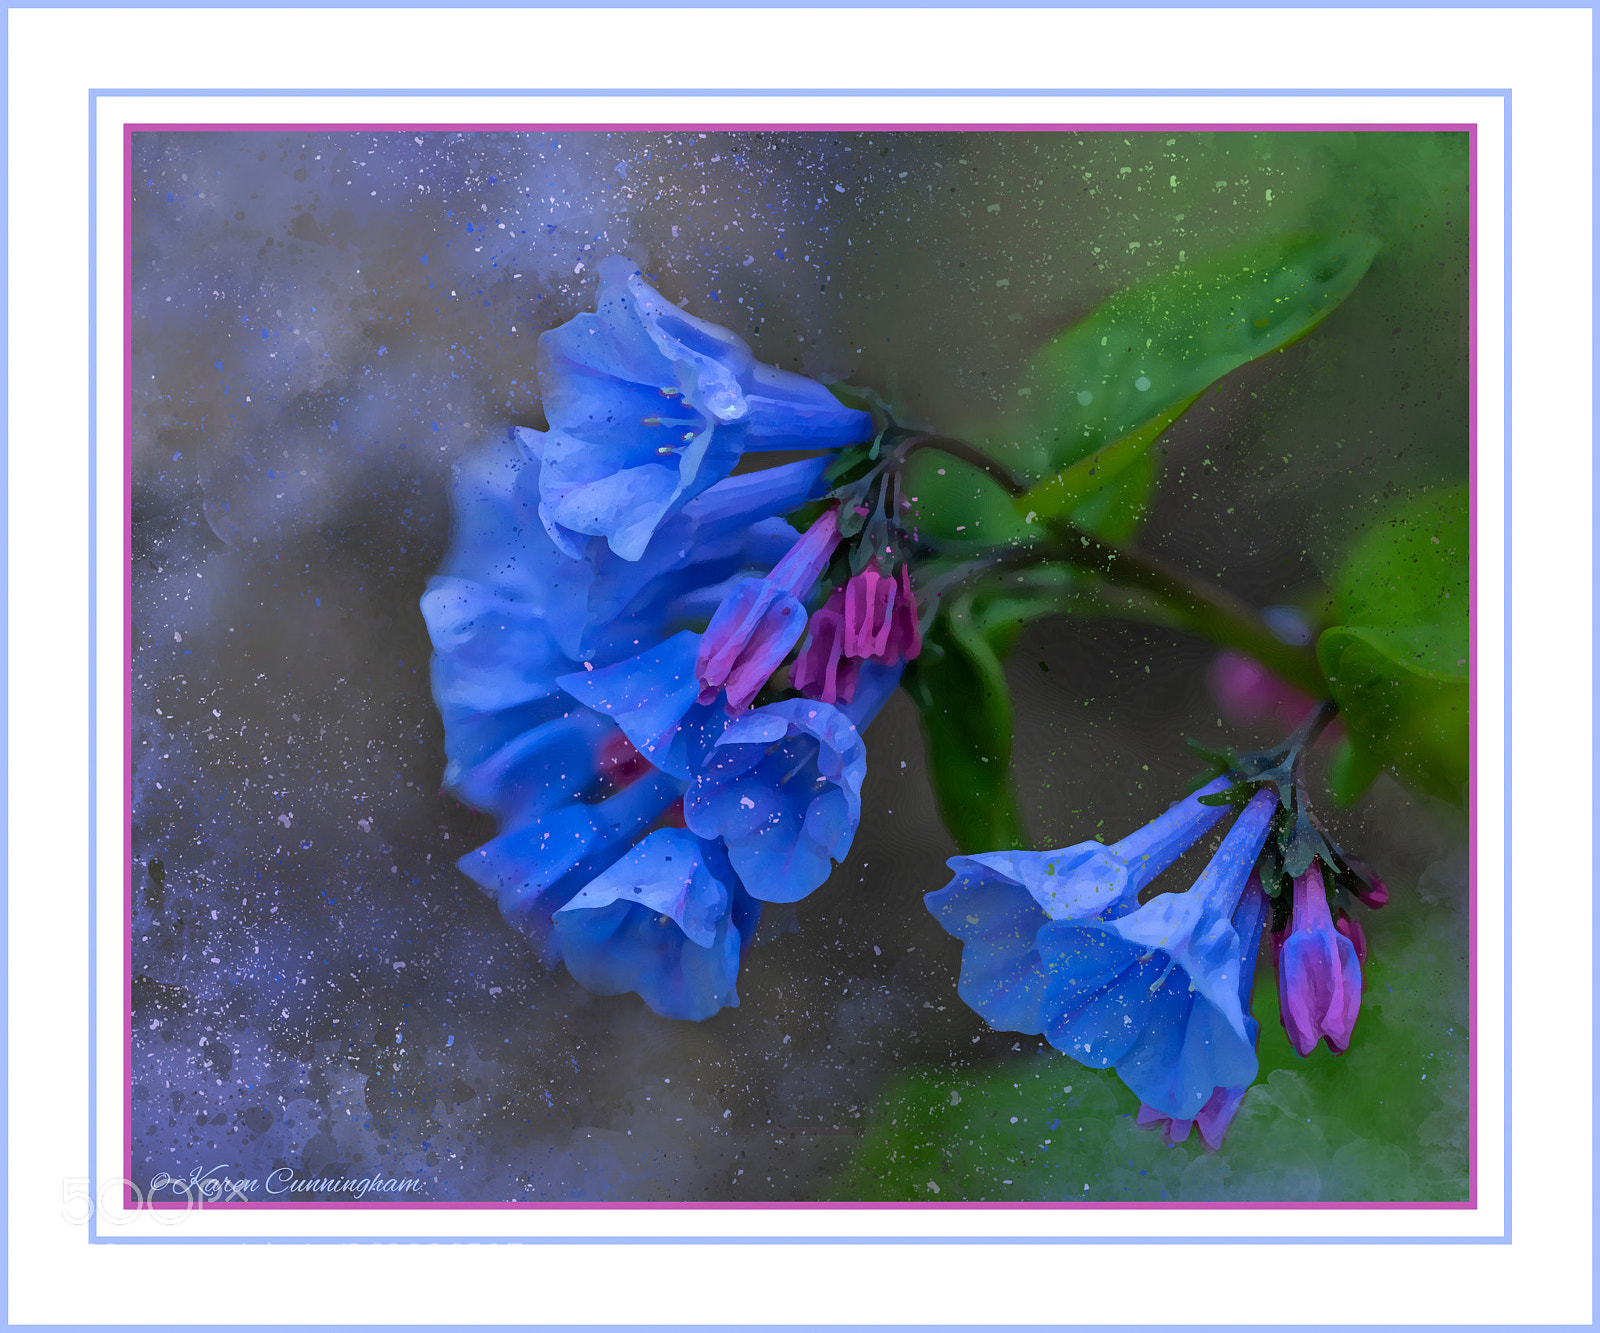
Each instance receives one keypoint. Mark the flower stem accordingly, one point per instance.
(967, 453)
(1209, 610)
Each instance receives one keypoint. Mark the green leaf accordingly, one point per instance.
(1398, 662)
(1350, 772)
(1114, 512)
(960, 690)
(1147, 352)
(1075, 489)
(954, 501)
(1412, 568)
(1401, 715)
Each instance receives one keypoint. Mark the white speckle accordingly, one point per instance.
(284, 819)
(745, 803)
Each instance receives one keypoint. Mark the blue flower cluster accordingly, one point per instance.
(1058, 944)
(644, 818)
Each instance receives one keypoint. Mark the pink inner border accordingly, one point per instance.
(1471, 130)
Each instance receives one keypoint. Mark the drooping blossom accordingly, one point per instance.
(564, 667)
(1000, 902)
(782, 789)
(649, 407)
(1057, 944)
(1217, 1114)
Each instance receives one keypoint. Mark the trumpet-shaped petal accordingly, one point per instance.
(1000, 902)
(649, 406)
(1217, 1113)
(532, 869)
(1319, 974)
(667, 921)
(782, 789)
(649, 696)
(1152, 991)
(511, 616)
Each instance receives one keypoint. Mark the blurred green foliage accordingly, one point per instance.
(1397, 661)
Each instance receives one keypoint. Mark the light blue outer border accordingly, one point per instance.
(95, 1237)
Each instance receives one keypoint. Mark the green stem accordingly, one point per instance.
(1207, 610)
(967, 453)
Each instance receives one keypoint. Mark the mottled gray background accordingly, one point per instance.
(323, 323)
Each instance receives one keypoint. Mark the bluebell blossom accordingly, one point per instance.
(575, 693)
(1000, 902)
(1249, 919)
(1057, 944)
(649, 406)
(668, 920)
(510, 615)
(782, 789)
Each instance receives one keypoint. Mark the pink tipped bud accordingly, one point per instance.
(822, 671)
(868, 605)
(905, 636)
(761, 620)
(1319, 974)
(1350, 928)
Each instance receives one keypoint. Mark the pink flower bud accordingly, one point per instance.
(1319, 974)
